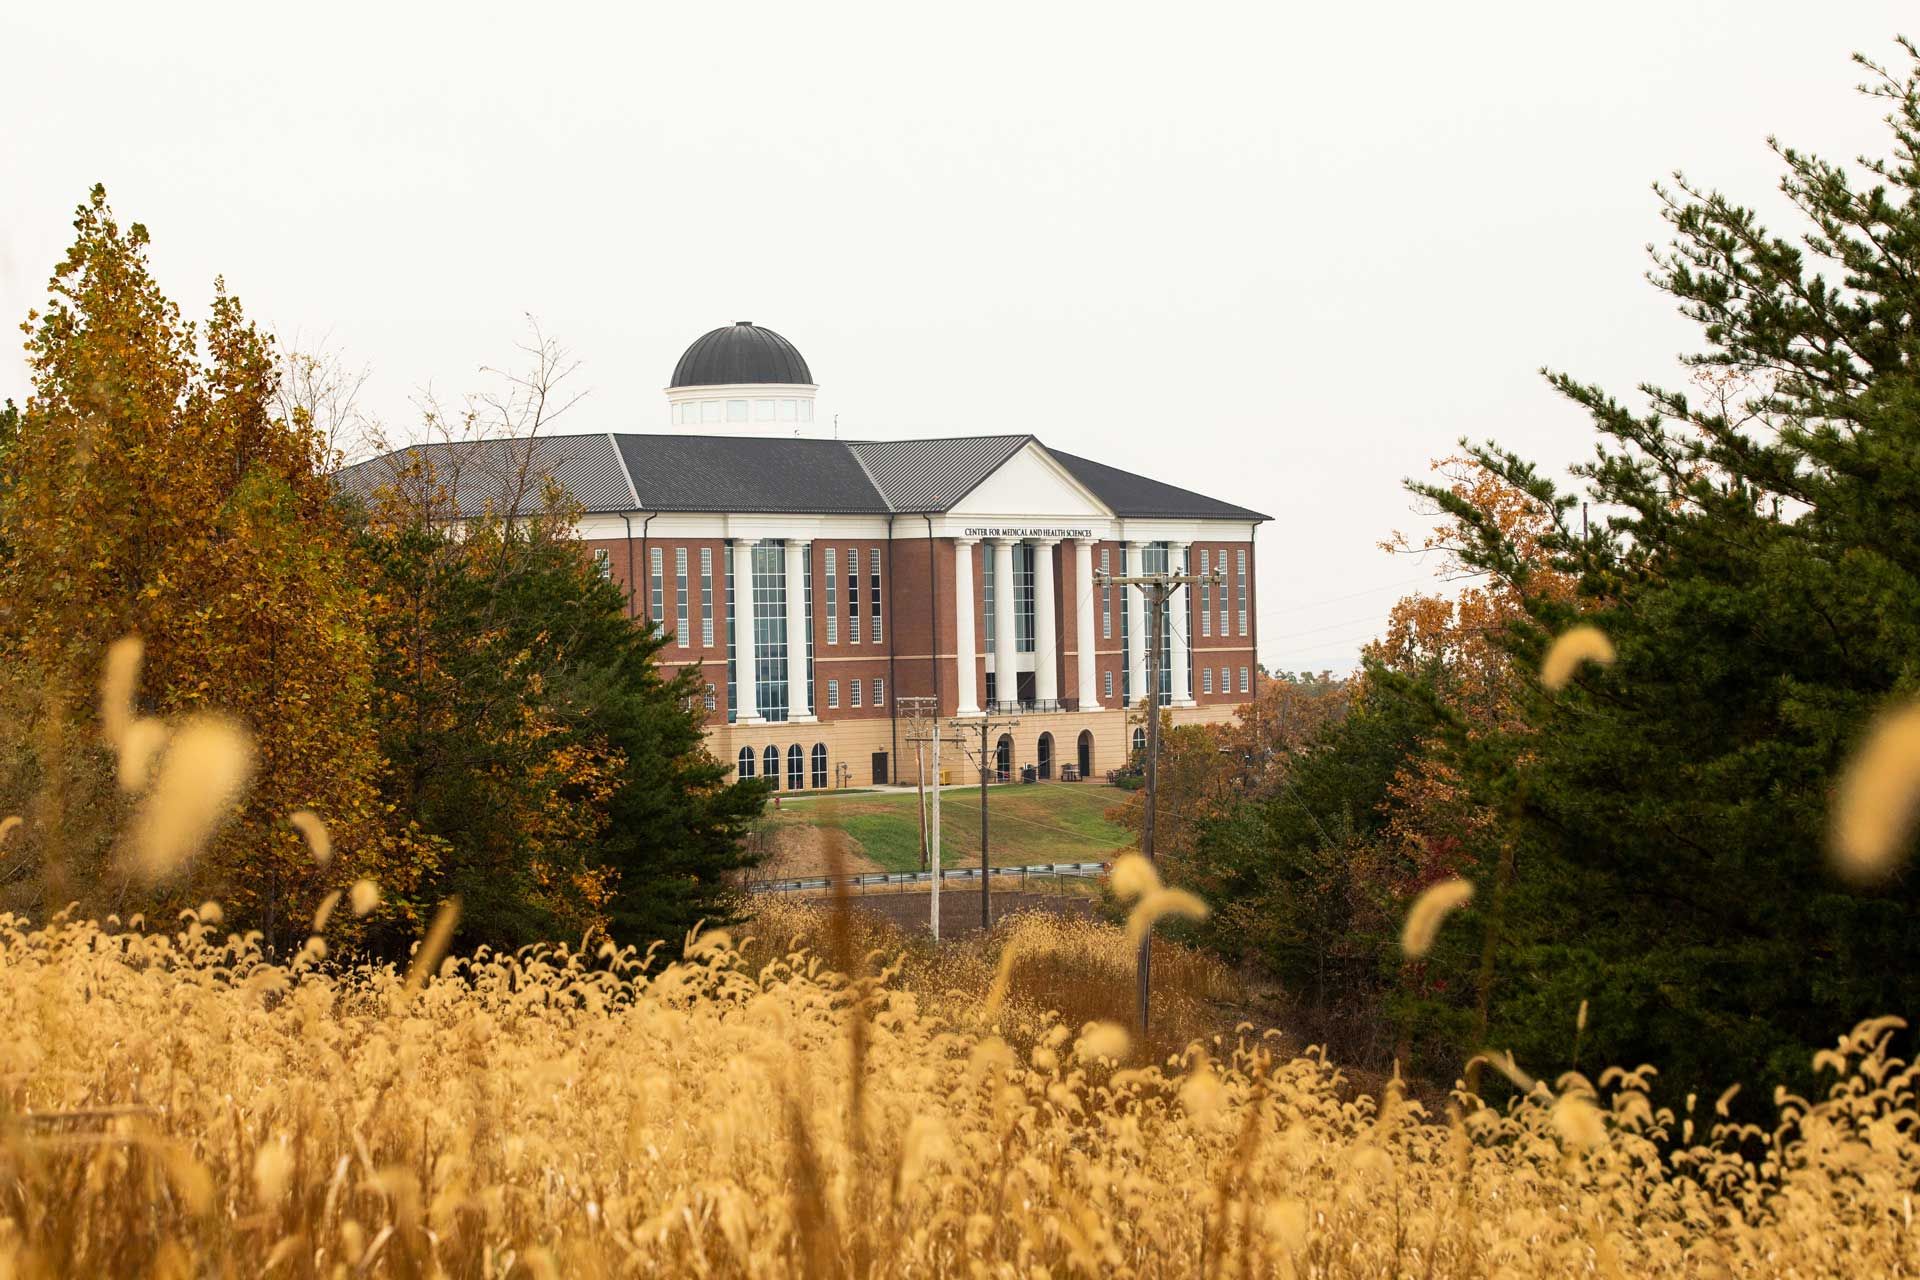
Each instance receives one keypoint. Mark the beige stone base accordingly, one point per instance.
(854, 743)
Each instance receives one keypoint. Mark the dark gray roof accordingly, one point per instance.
(740, 352)
(1127, 494)
(786, 476)
(932, 475)
(778, 475)
(476, 472)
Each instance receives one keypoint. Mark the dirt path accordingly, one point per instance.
(800, 851)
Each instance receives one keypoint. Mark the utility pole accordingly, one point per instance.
(986, 726)
(1158, 588)
(923, 719)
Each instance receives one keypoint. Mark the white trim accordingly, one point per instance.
(624, 473)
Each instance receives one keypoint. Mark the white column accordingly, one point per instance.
(1136, 624)
(1046, 627)
(745, 712)
(1087, 592)
(799, 706)
(1180, 619)
(1006, 645)
(965, 691)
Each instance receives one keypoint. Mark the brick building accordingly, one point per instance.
(814, 582)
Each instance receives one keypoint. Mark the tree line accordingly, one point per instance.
(1649, 842)
(465, 703)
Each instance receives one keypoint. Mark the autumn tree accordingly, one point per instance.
(150, 489)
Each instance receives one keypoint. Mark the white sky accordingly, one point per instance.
(1281, 254)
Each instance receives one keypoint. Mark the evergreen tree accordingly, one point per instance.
(1759, 575)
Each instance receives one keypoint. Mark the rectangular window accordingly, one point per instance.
(710, 697)
(879, 692)
(603, 563)
(1023, 554)
(1109, 685)
(875, 578)
(833, 595)
(1240, 587)
(733, 669)
(656, 566)
(853, 693)
(853, 596)
(833, 693)
(770, 637)
(1225, 607)
(681, 630)
(1243, 679)
(706, 597)
(1106, 600)
(1206, 597)
(986, 591)
(1206, 679)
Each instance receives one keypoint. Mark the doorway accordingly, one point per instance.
(1003, 758)
(1086, 754)
(1046, 757)
(879, 768)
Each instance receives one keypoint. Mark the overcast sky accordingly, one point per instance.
(1281, 254)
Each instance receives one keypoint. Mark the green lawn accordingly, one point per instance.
(1047, 822)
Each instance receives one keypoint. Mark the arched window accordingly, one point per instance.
(1003, 757)
(746, 762)
(796, 768)
(819, 764)
(1045, 759)
(770, 764)
(1139, 741)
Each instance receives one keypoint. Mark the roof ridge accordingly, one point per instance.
(626, 473)
(867, 471)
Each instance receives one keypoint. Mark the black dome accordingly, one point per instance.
(740, 352)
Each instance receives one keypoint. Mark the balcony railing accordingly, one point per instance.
(1032, 706)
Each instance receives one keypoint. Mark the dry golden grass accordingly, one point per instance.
(176, 1105)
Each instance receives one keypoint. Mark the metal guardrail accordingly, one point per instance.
(881, 880)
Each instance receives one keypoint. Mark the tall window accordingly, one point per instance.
(833, 595)
(1108, 685)
(986, 590)
(770, 764)
(1243, 679)
(853, 693)
(874, 577)
(1106, 597)
(1206, 599)
(707, 698)
(879, 692)
(746, 762)
(1156, 558)
(1240, 587)
(733, 666)
(603, 563)
(656, 566)
(796, 768)
(1023, 554)
(819, 764)
(806, 609)
(1225, 630)
(833, 693)
(706, 597)
(770, 630)
(681, 631)
(853, 596)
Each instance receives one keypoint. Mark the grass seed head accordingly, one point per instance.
(433, 948)
(119, 678)
(1133, 877)
(202, 775)
(1099, 1040)
(140, 745)
(319, 842)
(8, 825)
(364, 896)
(325, 911)
(1159, 904)
(1576, 645)
(1877, 799)
(1429, 911)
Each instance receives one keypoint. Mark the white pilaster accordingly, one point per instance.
(799, 706)
(1046, 627)
(1006, 645)
(965, 691)
(1180, 619)
(744, 709)
(1088, 594)
(1136, 624)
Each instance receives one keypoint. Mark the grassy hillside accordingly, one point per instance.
(1027, 824)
